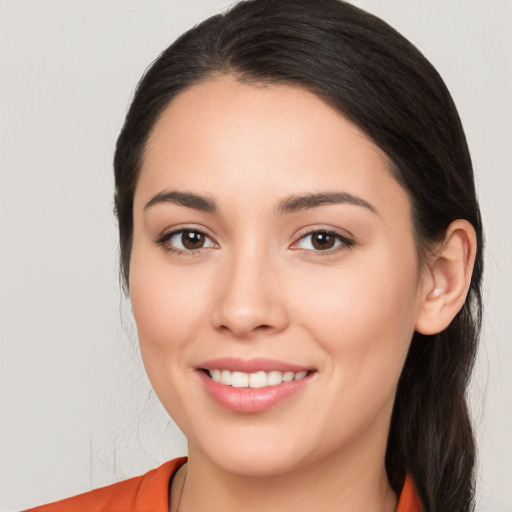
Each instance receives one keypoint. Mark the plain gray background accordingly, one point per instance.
(76, 410)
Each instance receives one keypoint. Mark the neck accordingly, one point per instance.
(322, 486)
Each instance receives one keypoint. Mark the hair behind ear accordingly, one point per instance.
(431, 432)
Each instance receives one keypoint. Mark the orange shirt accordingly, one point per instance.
(409, 501)
(150, 493)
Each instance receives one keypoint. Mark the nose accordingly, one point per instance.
(249, 298)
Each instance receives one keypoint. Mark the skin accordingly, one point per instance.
(258, 288)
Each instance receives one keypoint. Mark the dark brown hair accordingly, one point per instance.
(383, 84)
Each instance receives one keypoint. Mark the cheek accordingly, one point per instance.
(169, 307)
(364, 324)
(167, 303)
(363, 317)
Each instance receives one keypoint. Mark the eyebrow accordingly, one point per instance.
(290, 204)
(305, 201)
(187, 199)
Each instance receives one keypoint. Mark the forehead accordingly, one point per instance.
(231, 138)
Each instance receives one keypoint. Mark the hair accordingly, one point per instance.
(383, 84)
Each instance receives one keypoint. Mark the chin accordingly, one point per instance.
(253, 456)
(254, 464)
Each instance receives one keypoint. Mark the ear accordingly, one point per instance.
(446, 278)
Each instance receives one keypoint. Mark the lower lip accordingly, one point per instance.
(251, 400)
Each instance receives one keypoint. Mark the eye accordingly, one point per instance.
(186, 240)
(322, 240)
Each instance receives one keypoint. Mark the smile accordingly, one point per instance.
(253, 386)
(260, 379)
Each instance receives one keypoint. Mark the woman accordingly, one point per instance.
(311, 323)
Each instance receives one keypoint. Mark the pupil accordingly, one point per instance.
(192, 239)
(323, 241)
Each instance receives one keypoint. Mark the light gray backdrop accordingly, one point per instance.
(75, 407)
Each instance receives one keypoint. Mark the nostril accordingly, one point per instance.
(262, 327)
(244, 315)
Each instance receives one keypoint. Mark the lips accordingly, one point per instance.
(252, 386)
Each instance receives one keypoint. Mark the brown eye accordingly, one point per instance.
(192, 239)
(317, 241)
(322, 241)
(187, 240)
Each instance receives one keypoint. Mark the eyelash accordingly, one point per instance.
(345, 243)
(164, 240)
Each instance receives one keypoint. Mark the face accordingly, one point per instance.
(271, 243)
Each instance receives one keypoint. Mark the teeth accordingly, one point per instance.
(239, 379)
(274, 378)
(258, 380)
(288, 376)
(225, 377)
(254, 380)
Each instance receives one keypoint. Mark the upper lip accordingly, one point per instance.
(251, 365)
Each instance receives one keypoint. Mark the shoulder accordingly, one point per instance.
(145, 493)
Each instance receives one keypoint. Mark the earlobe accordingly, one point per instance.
(447, 278)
